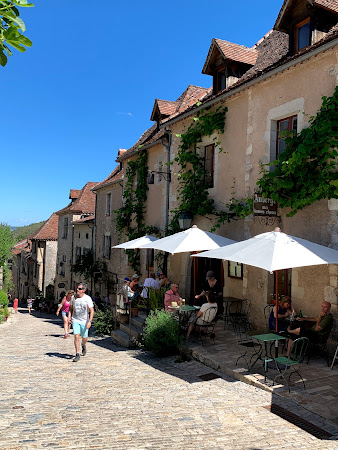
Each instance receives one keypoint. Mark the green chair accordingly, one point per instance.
(288, 364)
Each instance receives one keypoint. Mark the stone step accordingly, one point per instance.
(121, 338)
(133, 332)
(138, 321)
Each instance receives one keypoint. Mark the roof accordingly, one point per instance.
(84, 204)
(74, 193)
(166, 108)
(48, 231)
(272, 54)
(113, 177)
(331, 5)
(231, 52)
(21, 246)
(84, 220)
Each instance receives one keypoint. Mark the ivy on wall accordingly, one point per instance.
(193, 194)
(130, 217)
(306, 171)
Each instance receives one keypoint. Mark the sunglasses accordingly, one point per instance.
(80, 289)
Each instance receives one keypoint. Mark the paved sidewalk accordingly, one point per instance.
(320, 396)
(123, 399)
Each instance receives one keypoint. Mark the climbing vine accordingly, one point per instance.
(306, 171)
(130, 217)
(193, 192)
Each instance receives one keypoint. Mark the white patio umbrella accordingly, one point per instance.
(136, 243)
(275, 251)
(192, 240)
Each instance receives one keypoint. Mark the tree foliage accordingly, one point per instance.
(21, 233)
(6, 242)
(11, 28)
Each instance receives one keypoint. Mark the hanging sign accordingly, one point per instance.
(263, 206)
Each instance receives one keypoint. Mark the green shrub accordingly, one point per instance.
(4, 312)
(3, 298)
(156, 298)
(103, 322)
(161, 334)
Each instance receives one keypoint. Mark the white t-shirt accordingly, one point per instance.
(81, 307)
(149, 283)
(208, 316)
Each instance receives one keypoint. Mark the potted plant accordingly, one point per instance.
(134, 306)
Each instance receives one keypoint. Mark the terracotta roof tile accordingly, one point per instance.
(328, 4)
(84, 204)
(273, 53)
(113, 177)
(84, 220)
(74, 193)
(24, 245)
(232, 52)
(48, 231)
(331, 5)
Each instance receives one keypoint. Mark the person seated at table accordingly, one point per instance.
(211, 284)
(149, 282)
(171, 296)
(204, 316)
(319, 333)
(284, 310)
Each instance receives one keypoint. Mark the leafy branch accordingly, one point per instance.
(11, 26)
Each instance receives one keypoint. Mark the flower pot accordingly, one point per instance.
(124, 318)
(134, 312)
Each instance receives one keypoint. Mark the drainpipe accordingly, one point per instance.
(71, 262)
(167, 146)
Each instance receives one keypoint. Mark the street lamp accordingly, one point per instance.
(184, 220)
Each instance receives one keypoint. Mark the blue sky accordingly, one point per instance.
(87, 86)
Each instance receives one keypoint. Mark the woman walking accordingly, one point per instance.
(64, 306)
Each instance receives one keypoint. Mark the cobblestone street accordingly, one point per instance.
(116, 399)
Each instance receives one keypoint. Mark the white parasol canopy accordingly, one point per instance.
(136, 243)
(275, 251)
(192, 240)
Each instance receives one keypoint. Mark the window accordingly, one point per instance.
(302, 34)
(65, 227)
(221, 80)
(108, 204)
(77, 253)
(283, 127)
(209, 152)
(106, 245)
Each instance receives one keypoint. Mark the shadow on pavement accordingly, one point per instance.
(59, 355)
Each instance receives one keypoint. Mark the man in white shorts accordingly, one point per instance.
(81, 309)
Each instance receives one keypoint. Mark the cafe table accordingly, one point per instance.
(185, 312)
(264, 354)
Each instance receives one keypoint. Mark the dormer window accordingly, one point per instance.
(302, 34)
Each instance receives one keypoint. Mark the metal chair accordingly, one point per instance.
(267, 312)
(289, 363)
(207, 324)
(248, 343)
(239, 316)
(321, 349)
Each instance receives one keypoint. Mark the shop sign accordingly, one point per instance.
(264, 206)
(61, 285)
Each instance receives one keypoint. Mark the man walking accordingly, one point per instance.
(81, 308)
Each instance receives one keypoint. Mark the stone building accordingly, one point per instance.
(21, 268)
(108, 195)
(269, 89)
(82, 205)
(43, 257)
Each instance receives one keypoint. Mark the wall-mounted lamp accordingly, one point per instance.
(184, 220)
(166, 176)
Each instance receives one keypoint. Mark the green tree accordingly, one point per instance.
(6, 243)
(11, 27)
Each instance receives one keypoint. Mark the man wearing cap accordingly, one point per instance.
(211, 284)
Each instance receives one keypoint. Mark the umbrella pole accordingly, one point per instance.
(277, 308)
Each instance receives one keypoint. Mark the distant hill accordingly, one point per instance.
(21, 233)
